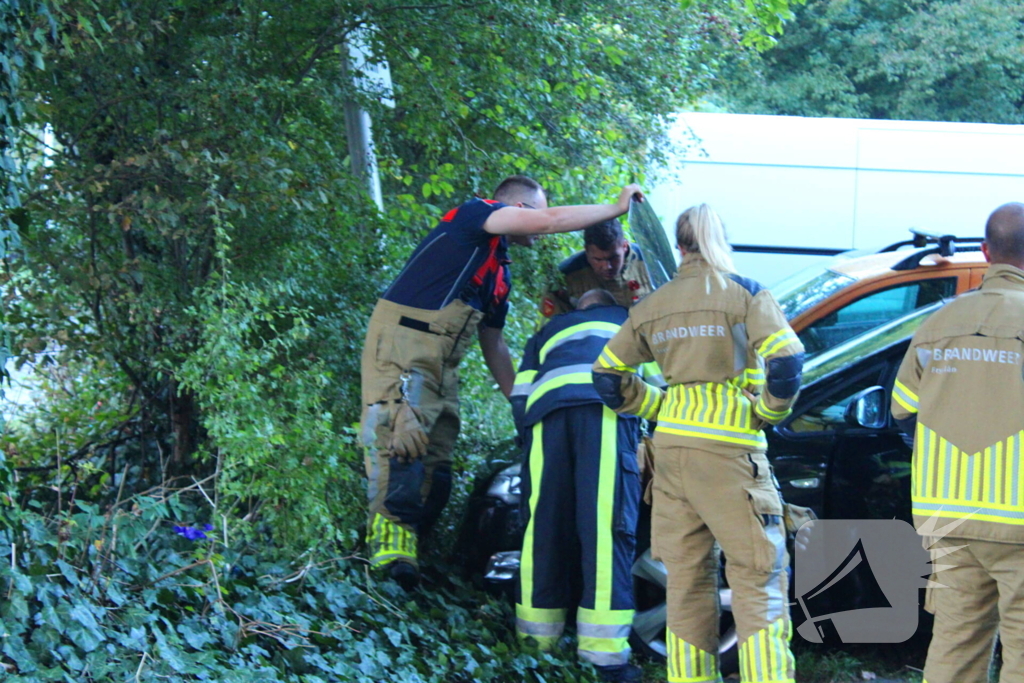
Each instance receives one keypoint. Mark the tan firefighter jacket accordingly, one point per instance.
(960, 393)
(633, 284)
(713, 337)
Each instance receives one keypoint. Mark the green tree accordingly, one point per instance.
(193, 234)
(943, 60)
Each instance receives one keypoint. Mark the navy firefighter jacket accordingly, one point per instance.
(458, 260)
(555, 372)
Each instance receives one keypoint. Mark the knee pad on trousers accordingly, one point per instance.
(437, 497)
(403, 497)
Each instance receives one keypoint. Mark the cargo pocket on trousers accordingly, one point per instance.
(766, 512)
(629, 495)
(424, 351)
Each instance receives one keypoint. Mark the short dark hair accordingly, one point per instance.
(1004, 233)
(516, 187)
(605, 235)
(596, 297)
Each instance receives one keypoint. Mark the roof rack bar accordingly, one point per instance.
(922, 238)
(943, 249)
(799, 251)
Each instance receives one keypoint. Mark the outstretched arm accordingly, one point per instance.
(512, 220)
(497, 358)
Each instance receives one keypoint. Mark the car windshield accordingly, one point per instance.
(866, 344)
(809, 287)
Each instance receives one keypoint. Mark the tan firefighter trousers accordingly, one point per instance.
(984, 593)
(411, 355)
(700, 498)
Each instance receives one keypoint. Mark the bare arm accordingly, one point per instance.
(512, 220)
(498, 358)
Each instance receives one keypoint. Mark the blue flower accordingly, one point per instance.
(191, 533)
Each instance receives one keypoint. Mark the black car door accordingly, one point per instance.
(844, 470)
(869, 474)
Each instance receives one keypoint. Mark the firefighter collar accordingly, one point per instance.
(1003, 275)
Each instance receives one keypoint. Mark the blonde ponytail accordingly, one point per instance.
(700, 230)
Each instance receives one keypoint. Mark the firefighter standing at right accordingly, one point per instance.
(714, 334)
(960, 393)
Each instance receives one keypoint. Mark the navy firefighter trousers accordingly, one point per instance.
(580, 499)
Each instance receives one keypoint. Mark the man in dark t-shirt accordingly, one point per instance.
(455, 283)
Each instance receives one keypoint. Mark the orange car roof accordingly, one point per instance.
(878, 264)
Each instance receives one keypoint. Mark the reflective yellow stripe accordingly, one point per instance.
(941, 467)
(754, 378)
(908, 407)
(700, 404)
(713, 410)
(608, 360)
(613, 358)
(984, 486)
(1006, 474)
(580, 329)
(526, 567)
(605, 617)
(652, 373)
(544, 643)
(605, 506)
(645, 404)
(557, 382)
(918, 463)
(389, 541)
(545, 626)
(777, 342)
(525, 376)
(649, 407)
(540, 615)
(766, 412)
(738, 440)
(688, 663)
(905, 397)
(765, 656)
(698, 423)
(973, 513)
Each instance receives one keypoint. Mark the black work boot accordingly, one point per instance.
(623, 673)
(405, 575)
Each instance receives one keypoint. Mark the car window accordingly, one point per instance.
(853, 351)
(808, 288)
(828, 413)
(873, 310)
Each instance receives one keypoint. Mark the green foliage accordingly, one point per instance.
(264, 412)
(119, 596)
(195, 269)
(942, 60)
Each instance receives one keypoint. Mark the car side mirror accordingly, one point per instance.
(867, 409)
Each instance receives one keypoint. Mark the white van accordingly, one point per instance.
(835, 184)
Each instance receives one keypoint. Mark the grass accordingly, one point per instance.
(816, 666)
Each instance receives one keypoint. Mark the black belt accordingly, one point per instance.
(414, 324)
